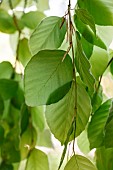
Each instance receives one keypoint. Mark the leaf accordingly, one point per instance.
(97, 125)
(6, 22)
(83, 109)
(37, 160)
(59, 116)
(83, 66)
(40, 84)
(45, 134)
(1, 135)
(104, 158)
(37, 114)
(5, 166)
(8, 88)
(98, 60)
(24, 118)
(27, 142)
(24, 55)
(83, 142)
(79, 162)
(32, 19)
(87, 47)
(43, 5)
(103, 6)
(47, 35)
(1, 106)
(5, 4)
(6, 70)
(86, 18)
(111, 67)
(88, 34)
(108, 134)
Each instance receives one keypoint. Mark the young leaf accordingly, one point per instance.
(47, 35)
(97, 9)
(44, 74)
(86, 18)
(83, 66)
(79, 162)
(37, 160)
(97, 125)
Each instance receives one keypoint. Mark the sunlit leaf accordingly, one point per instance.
(40, 84)
(37, 160)
(43, 5)
(47, 35)
(97, 125)
(79, 162)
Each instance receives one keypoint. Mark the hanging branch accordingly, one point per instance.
(70, 30)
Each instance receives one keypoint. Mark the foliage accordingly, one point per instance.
(60, 92)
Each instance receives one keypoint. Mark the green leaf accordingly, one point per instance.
(45, 134)
(79, 162)
(86, 18)
(1, 135)
(24, 55)
(88, 34)
(32, 19)
(27, 141)
(37, 114)
(99, 61)
(109, 134)
(6, 70)
(83, 109)
(5, 4)
(43, 5)
(97, 125)
(6, 22)
(5, 166)
(83, 142)
(60, 115)
(83, 66)
(104, 158)
(8, 88)
(24, 118)
(97, 9)
(47, 35)
(111, 67)
(40, 84)
(37, 160)
(87, 47)
(1, 106)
